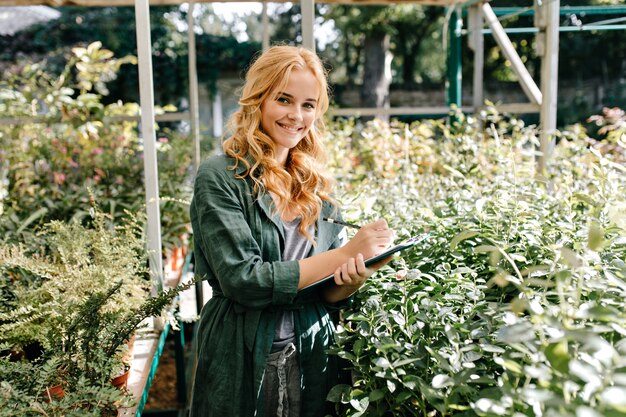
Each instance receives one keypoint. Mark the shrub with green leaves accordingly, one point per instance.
(41, 289)
(514, 306)
(69, 147)
(67, 312)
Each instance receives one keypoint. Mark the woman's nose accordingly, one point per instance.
(294, 115)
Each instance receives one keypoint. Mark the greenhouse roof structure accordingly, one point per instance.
(113, 3)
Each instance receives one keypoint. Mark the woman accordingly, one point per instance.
(259, 237)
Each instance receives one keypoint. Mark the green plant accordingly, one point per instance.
(611, 123)
(25, 391)
(77, 150)
(513, 305)
(67, 312)
(82, 358)
(40, 288)
(90, 340)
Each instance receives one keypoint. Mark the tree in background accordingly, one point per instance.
(387, 43)
(416, 31)
(357, 52)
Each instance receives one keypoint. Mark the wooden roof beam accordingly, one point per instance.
(116, 3)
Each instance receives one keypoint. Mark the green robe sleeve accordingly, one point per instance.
(223, 215)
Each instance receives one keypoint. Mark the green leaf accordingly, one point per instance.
(595, 240)
(615, 397)
(487, 405)
(442, 381)
(461, 237)
(558, 355)
(584, 411)
(339, 393)
(585, 198)
(401, 362)
(584, 371)
(376, 395)
(453, 171)
(403, 396)
(37, 214)
(518, 332)
(382, 363)
(360, 404)
(510, 365)
(358, 347)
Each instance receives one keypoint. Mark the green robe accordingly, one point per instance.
(237, 248)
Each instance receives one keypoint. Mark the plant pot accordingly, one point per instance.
(174, 263)
(54, 392)
(121, 380)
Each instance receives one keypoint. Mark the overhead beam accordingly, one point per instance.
(525, 79)
(564, 10)
(115, 3)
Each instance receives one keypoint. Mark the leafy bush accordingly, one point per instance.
(40, 291)
(73, 278)
(66, 315)
(515, 304)
(77, 148)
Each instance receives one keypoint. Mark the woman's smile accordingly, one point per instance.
(293, 129)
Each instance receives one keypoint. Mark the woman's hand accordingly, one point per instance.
(354, 272)
(370, 240)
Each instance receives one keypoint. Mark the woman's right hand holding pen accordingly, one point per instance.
(371, 239)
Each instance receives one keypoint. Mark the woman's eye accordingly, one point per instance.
(309, 105)
(283, 100)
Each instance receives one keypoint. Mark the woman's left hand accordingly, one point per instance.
(354, 272)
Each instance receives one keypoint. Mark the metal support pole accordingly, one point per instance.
(526, 81)
(218, 114)
(193, 88)
(547, 19)
(265, 22)
(148, 136)
(477, 44)
(454, 59)
(308, 21)
(179, 350)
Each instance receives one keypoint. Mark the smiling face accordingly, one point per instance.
(287, 115)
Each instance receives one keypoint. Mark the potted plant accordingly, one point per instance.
(42, 287)
(68, 309)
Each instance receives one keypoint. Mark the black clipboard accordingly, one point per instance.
(397, 248)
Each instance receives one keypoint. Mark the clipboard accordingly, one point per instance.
(394, 249)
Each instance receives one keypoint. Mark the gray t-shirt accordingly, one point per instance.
(297, 247)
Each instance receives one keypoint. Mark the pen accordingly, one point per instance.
(329, 220)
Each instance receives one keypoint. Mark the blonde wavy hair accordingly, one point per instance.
(302, 184)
